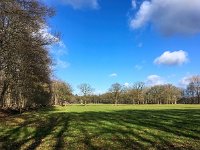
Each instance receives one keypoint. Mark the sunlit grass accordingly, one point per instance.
(104, 127)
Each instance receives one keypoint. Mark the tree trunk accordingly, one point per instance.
(198, 99)
(5, 88)
(116, 101)
(133, 101)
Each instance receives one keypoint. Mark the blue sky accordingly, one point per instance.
(108, 41)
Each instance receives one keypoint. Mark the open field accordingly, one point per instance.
(104, 127)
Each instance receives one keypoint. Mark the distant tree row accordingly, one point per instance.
(138, 93)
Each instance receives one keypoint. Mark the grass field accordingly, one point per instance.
(91, 127)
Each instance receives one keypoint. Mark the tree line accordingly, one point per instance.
(138, 93)
(25, 63)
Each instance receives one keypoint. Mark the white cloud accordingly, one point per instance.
(142, 16)
(126, 84)
(81, 4)
(172, 58)
(154, 80)
(98, 92)
(61, 44)
(62, 64)
(59, 52)
(185, 80)
(45, 33)
(169, 16)
(113, 75)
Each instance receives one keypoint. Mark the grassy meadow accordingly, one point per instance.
(122, 127)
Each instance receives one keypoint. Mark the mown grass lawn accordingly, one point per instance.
(91, 127)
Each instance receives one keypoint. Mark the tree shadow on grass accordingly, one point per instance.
(42, 128)
(123, 129)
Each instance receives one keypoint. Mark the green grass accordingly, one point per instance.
(120, 127)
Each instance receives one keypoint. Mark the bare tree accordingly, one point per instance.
(193, 89)
(137, 92)
(86, 90)
(116, 89)
(171, 94)
(163, 94)
(61, 92)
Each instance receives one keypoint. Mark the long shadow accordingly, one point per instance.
(160, 123)
(42, 130)
(127, 129)
(64, 123)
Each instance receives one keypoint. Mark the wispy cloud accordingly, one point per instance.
(113, 75)
(59, 52)
(134, 4)
(45, 32)
(154, 80)
(62, 64)
(138, 67)
(82, 4)
(185, 80)
(172, 58)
